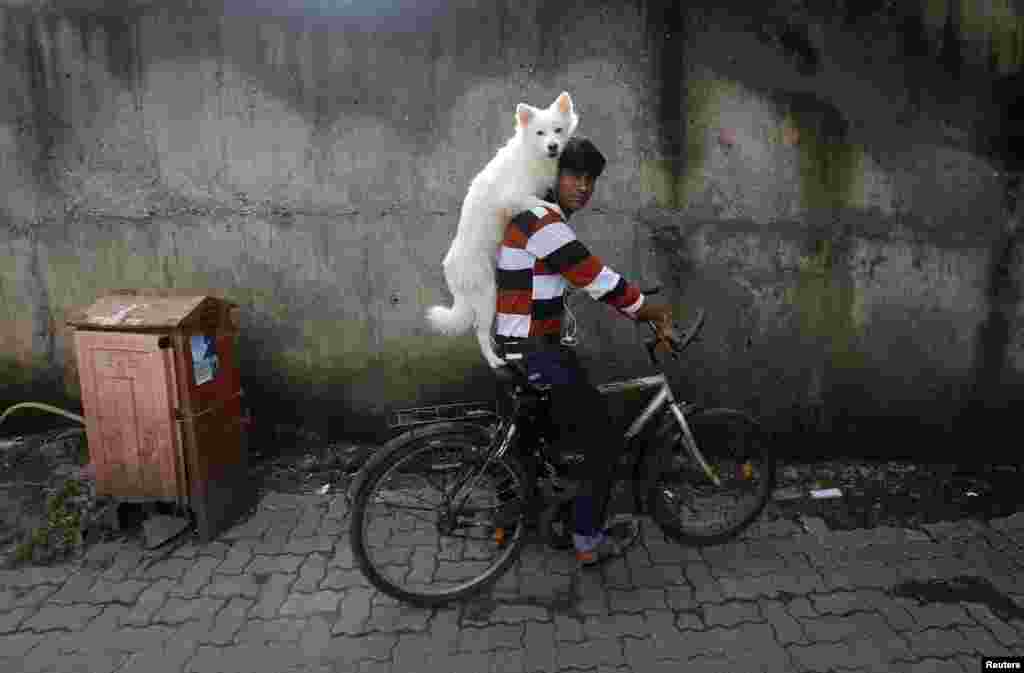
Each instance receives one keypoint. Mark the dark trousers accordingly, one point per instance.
(580, 414)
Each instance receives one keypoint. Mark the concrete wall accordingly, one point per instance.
(817, 180)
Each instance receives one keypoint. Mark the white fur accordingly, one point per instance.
(514, 180)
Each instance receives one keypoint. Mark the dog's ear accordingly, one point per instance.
(563, 103)
(523, 114)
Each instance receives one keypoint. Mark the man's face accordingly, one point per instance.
(574, 190)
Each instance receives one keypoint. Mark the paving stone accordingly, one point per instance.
(589, 654)
(316, 637)
(787, 628)
(273, 594)
(198, 576)
(343, 579)
(663, 641)
(818, 656)
(274, 564)
(1001, 631)
(500, 636)
(508, 661)
(168, 658)
(982, 643)
(679, 597)
(833, 628)
(16, 645)
(836, 603)
(77, 589)
(236, 560)
(391, 618)
(148, 603)
(353, 612)
(568, 629)
(72, 617)
(170, 568)
(615, 626)
(101, 555)
(33, 597)
(444, 629)
(246, 658)
(686, 621)
(659, 576)
(896, 611)
(939, 615)
(515, 614)
(309, 545)
(723, 642)
(230, 586)
(229, 621)
(706, 587)
(177, 610)
(540, 653)
(126, 592)
(26, 578)
(731, 613)
(311, 574)
(132, 639)
(281, 630)
(936, 643)
(936, 666)
(417, 652)
(97, 662)
(617, 575)
(307, 605)
(637, 600)
(11, 620)
(342, 557)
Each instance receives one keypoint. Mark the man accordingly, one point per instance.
(539, 255)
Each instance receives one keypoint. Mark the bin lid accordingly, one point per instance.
(149, 309)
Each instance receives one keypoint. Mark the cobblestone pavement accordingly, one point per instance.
(279, 592)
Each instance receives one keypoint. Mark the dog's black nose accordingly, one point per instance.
(552, 149)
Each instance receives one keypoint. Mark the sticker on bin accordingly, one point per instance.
(204, 359)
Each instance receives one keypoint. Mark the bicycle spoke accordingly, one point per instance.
(415, 541)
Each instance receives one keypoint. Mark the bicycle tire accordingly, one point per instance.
(712, 429)
(420, 441)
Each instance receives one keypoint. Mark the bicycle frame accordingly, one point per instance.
(663, 397)
(508, 429)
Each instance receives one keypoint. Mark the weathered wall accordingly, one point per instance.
(848, 230)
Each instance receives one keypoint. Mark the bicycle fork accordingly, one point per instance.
(691, 444)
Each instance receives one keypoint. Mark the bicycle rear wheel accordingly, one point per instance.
(410, 545)
(687, 504)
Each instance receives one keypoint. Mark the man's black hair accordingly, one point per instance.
(581, 157)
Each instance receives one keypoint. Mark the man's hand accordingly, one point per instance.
(661, 316)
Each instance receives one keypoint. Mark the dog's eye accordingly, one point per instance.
(540, 133)
(558, 130)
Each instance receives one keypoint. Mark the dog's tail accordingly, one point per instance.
(452, 321)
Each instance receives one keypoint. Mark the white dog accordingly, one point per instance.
(514, 180)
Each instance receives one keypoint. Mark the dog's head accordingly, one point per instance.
(547, 130)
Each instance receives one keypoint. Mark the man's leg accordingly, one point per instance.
(582, 415)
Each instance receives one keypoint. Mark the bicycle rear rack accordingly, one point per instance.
(460, 411)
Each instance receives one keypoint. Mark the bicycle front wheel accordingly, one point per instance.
(416, 545)
(686, 502)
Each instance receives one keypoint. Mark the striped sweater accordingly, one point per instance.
(539, 255)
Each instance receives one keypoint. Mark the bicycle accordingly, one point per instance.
(498, 480)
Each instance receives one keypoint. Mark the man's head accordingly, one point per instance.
(579, 166)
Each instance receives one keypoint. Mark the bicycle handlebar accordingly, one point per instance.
(677, 345)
